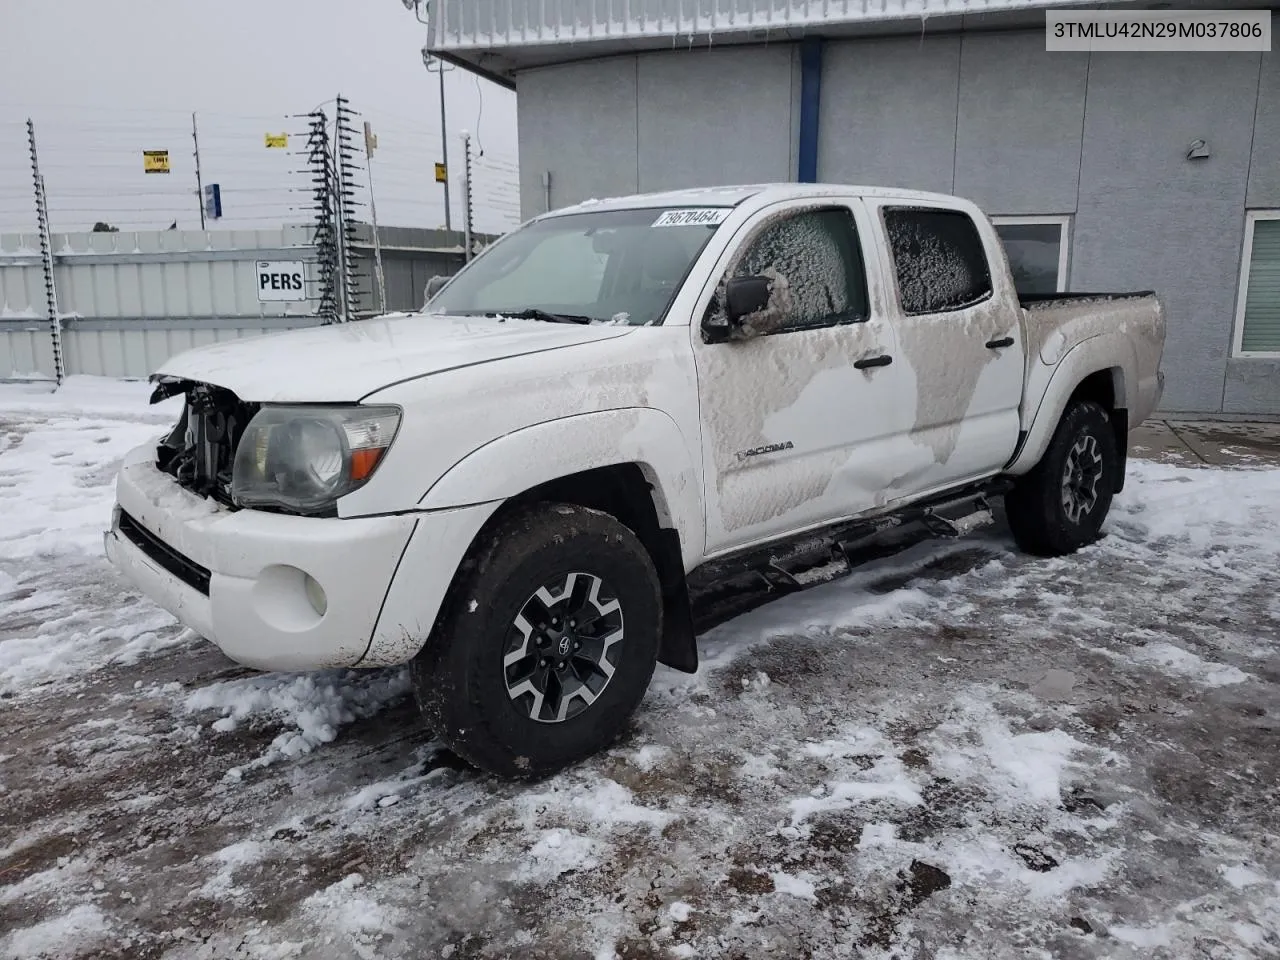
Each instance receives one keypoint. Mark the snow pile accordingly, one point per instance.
(99, 397)
(229, 859)
(58, 474)
(977, 744)
(78, 933)
(558, 851)
(1201, 512)
(314, 705)
(63, 610)
(1182, 663)
(885, 780)
(357, 912)
(50, 648)
(599, 802)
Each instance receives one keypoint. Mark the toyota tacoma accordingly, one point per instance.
(517, 489)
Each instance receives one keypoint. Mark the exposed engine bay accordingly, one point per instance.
(200, 450)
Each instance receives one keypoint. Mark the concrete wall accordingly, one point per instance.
(625, 124)
(992, 116)
(914, 110)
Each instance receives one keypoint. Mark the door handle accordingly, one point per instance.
(1000, 344)
(881, 361)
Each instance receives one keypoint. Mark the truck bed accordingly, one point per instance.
(1040, 300)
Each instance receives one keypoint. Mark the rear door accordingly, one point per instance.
(960, 339)
(798, 424)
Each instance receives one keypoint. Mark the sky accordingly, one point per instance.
(106, 79)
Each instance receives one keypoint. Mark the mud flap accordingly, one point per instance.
(678, 647)
(1120, 426)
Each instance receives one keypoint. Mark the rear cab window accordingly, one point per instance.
(939, 259)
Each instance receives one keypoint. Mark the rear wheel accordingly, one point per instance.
(546, 644)
(1060, 505)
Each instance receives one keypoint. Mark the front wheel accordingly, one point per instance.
(1060, 505)
(546, 643)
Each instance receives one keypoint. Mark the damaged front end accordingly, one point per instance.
(200, 451)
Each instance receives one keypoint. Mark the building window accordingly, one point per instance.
(1258, 309)
(1037, 250)
(939, 259)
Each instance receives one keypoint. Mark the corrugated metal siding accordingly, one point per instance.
(168, 273)
(129, 301)
(471, 24)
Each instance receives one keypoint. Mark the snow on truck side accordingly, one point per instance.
(521, 494)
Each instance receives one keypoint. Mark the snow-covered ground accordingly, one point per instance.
(958, 752)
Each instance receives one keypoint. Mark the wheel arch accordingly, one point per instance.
(626, 492)
(632, 464)
(508, 466)
(1083, 374)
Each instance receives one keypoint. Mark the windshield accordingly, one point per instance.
(619, 266)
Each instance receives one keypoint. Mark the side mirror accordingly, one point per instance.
(742, 297)
(434, 286)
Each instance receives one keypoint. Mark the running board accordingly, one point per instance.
(943, 526)
(821, 556)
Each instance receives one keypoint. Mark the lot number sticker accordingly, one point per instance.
(693, 217)
(281, 280)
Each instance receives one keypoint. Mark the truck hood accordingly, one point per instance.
(342, 363)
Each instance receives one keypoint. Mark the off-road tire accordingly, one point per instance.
(1037, 507)
(460, 678)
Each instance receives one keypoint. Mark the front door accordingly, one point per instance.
(801, 419)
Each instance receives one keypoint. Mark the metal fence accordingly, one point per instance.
(178, 238)
(129, 301)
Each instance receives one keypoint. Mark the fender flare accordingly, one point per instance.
(1086, 358)
(511, 464)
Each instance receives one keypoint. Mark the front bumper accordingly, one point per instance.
(240, 577)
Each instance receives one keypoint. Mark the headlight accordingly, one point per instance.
(303, 458)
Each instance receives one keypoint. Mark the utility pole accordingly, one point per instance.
(438, 66)
(444, 150)
(46, 259)
(195, 137)
(370, 143)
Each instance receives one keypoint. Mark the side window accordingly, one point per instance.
(939, 259)
(818, 253)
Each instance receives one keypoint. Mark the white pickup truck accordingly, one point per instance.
(517, 489)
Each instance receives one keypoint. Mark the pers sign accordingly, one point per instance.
(281, 280)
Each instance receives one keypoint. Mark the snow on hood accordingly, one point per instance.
(344, 362)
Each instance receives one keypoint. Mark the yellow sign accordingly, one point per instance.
(275, 140)
(155, 161)
(442, 175)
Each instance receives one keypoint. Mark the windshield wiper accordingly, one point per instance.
(534, 313)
